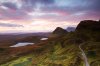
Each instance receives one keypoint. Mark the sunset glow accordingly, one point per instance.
(45, 15)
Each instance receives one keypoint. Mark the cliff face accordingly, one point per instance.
(88, 25)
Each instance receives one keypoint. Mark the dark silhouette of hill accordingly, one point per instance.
(59, 31)
(89, 25)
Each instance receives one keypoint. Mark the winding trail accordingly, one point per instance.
(84, 56)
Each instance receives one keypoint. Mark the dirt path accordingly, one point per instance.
(84, 56)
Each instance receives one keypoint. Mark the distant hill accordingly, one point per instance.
(34, 39)
(88, 25)
(59, 31)
(12, 38)
(69, 29)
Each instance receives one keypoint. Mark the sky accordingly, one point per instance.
(45, 15)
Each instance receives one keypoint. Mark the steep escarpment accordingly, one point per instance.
(89, 25)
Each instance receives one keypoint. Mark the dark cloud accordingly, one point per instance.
(72, 7)
(10, 5)
(46, 1)
(92, 5)
(33, 2)
(21, 13)
(95, 5)
(67, 8)
(10, 25)
(30, 5)
(9, 14)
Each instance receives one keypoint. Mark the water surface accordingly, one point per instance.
(43, 38)
(22, 44)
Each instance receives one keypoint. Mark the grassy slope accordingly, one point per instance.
(63, 51)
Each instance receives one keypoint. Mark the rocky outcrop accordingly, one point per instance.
(59, 31)
(88, 25)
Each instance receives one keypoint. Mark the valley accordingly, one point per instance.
(77, 48)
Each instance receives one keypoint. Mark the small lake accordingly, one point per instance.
(22, 44)
(43, 38)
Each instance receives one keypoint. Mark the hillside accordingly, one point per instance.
(89, 25)
(61, 50)
(59, 31)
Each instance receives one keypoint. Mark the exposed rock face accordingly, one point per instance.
(88, 25)
(59, 31)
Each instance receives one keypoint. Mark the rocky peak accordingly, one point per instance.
(59, 30)
(89, 25)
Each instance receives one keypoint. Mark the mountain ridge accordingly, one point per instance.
(88, 25)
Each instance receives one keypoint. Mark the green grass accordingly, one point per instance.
(57, 56)
(53, 54)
